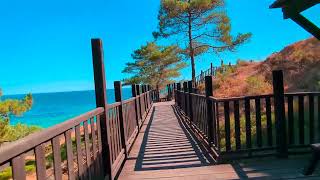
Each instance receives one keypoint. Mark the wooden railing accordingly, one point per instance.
(93, 145)
(211, 71)
(253, 125)
(47, 144)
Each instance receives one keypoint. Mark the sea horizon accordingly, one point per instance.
(53, 108)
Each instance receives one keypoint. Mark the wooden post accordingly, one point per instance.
(281, 130)
(134, 94)
(101, 101)
(209, 92)
(139, 100)
(179, 97)
(143, 89)
(118, 98)
(190, 101)
(211, 69)
(185, 90)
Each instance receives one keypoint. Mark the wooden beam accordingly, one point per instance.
(307, 25)
(297, 5)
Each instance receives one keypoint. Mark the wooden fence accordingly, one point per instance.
(93, 145)
(279, 123)
(211, 71)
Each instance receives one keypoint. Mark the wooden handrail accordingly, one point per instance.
(25, 144)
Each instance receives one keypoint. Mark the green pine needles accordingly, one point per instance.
(200, 26)
(155, 65)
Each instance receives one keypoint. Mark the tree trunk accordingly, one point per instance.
(191, 49)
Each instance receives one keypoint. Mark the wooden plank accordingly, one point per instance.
(99, 156)
(291, 133)
(117, 134)
(120, 140)
(98, 134)
(94, 146)
(218, 142)
(87, 149)
(40, 161)
(57, 158)
(112, 136)
(301, 119)
(269, 121)
(70, 164)
(79, 152)
(237, 125)
(134, 94)
(18, 171)
(248, 123)
(311, 119)
(318, 129)
(227, 125)
(258, 122)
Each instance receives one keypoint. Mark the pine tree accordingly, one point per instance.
(202, 25)
(154, 65)
(12, 107)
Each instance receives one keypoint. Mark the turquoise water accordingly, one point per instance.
(50, 109)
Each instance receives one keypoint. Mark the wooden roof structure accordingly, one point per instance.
(292, 9)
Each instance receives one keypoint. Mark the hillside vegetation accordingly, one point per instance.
(300, 63)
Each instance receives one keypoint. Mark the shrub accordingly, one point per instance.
(257, 85)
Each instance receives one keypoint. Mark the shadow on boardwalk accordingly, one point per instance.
(167, 144)
(165, 149)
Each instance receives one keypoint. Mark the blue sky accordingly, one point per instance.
(45, 45)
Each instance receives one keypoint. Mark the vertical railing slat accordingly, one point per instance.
(258, 122)
(311, 118)
(301, 119)
(248, 123)
(40, 161)
(99, 145)
(269, 121)
(69, 154)
(112, 135)
(79, 152)
(56, 148)
(237, 125)
(87, 149)
(227, 125)
(94, 146)
(291, 134)
(318, 128)
(18, 171)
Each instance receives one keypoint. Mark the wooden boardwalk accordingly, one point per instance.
(166, 149)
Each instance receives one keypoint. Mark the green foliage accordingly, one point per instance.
(14, 107)
(243, 130)
(200, 25)
(257, 85)
(155, 65)
(6, 173)
(10, 133)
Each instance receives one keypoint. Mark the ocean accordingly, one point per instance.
(50, 109)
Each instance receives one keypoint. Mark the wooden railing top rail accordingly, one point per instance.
(302, 93)
(253, 96)
(129, 100)
(25, 144)
(114, 105)
(241, 97)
